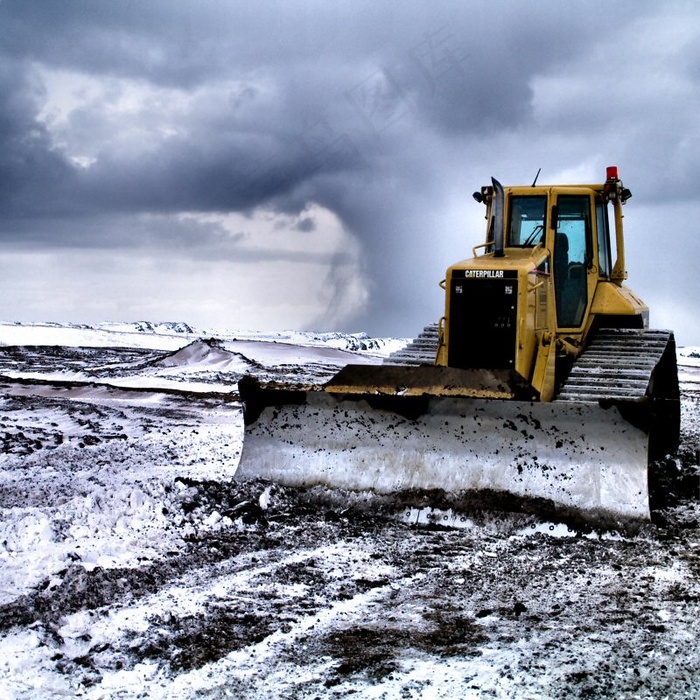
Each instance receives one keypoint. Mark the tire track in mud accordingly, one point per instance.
(259, 602)
(324, 601)
(264, 598)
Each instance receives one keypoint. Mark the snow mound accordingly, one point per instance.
(205, 354)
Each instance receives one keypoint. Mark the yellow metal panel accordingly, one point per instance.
(613, 300)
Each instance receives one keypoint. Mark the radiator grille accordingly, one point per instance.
(483, 320)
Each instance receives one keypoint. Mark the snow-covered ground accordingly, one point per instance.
(132, 564)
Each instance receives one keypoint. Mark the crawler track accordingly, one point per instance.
(420, 351)
(619, 365)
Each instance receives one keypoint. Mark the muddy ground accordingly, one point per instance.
(134, 565)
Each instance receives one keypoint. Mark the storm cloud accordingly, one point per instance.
(308, 164)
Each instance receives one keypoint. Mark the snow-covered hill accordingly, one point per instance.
(172, 335)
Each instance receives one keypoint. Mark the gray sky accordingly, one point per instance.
(309, 164)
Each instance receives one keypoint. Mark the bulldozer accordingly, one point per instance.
(542, 381)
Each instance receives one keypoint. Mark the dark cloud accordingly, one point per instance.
(118, 118)
(34, 178)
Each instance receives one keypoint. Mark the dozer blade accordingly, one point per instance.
(428, 380)
(580, 457)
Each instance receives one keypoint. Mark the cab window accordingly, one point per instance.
(604, 261)
(526, 221)
(572, 257)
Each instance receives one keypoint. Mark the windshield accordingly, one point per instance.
(526, 224)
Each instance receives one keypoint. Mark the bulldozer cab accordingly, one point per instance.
(573, 259)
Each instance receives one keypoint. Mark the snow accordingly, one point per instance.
(132, 564)
(173, 336)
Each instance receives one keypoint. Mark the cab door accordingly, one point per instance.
(575, 272)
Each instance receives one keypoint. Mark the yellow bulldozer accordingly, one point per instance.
(542, 381)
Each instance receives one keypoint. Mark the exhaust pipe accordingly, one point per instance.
(498, 219)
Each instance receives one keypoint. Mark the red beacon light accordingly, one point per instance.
(614, 187)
